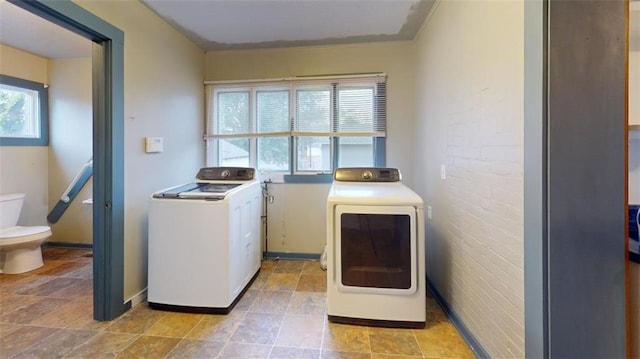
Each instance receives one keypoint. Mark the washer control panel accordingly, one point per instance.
(225, 174)
(367, 174)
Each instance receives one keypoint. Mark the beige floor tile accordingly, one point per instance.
(56, 253)
(307, 303)
(32, 311)
(442, 341)
(271, 302)
(294, 353)
(192, 348)
(8, 328)
(86, 321)
(301, 331)
(281, 281)
(258, 328)
(103, 345)
(49, 264)
(23, 338)
(268, 265)
(393, 356)
(63, 315)
(12, 278)
(11, 302)
(82, 288)
(58, 344)
(289, 266)
(245, 351)
(245, 303)
(334, 354)
(48, 288)
(217, 327)
(289, 322)
(84, 272)
(312, 267)
(393, 341)
(175, 325)
(136, 320)
(62, 268)
(260, 280)
(149, 347)
(347, 338)
(312, 283)
(19, 283)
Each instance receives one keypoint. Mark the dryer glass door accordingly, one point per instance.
(376, 248)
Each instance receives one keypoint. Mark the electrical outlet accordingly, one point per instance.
(429, 212)
(443, 171)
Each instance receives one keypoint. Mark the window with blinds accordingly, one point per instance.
(299, 125)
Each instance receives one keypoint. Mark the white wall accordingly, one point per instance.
(469, 113)
(297, 216)
(634, 104)
(70, 144)
(24, 168)
(634, 62)
(164, 97)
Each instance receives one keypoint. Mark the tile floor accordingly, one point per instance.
(47, 313)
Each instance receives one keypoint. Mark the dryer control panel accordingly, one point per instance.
(225, 174)
(367, 174)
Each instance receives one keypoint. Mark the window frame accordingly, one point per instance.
(254, 94)
(292, 174)
(43, 106)
(295, 171)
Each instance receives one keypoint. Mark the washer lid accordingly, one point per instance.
(367, 174)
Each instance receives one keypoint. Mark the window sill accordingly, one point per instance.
(317, 178)
(17, 141)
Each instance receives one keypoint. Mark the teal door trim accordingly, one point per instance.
(575, 197)
(108, 148)
(536, 306)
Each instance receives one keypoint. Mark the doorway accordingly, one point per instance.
(108, 149)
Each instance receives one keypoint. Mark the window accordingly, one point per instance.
(298, 126)
(23, 112)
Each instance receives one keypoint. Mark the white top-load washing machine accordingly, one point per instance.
(204, 241)
(375, 250)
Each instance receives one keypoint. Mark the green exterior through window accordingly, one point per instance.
(24, 112)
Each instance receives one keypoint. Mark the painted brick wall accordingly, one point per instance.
(469, 97)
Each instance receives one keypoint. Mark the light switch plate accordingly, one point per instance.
(153, 144)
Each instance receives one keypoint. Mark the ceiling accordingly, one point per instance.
(26, 31)
(239, 24)
(251, 24)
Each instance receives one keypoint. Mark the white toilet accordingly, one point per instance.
(19, 246)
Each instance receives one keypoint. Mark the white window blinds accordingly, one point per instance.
(353, 106)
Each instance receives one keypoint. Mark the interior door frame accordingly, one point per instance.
(108, 147)
(568, 225)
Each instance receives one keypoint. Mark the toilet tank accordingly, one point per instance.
(10, 207)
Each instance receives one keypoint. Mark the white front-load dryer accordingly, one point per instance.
(375, 250)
